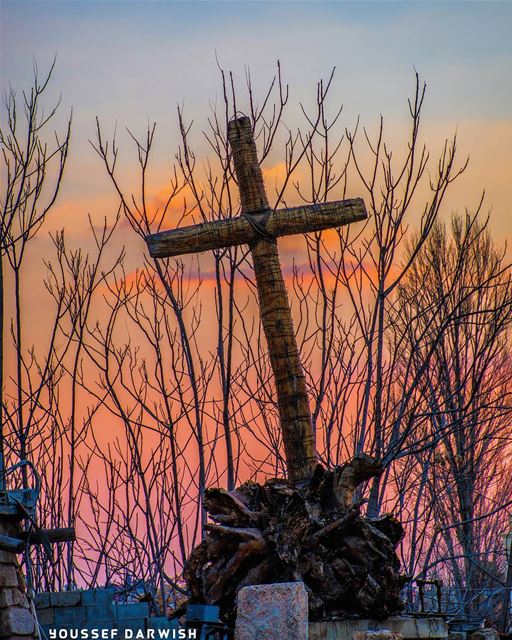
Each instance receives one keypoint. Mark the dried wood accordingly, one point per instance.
(67, 534)
(230, 232)
(276, 317)
(282, 531)
(225, 507)
(351, 475)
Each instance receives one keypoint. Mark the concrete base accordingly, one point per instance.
(408, 627)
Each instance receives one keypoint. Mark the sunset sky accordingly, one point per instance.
(131, 63)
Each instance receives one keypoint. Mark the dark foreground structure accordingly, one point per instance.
(311, 531)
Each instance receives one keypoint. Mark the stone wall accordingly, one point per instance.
(94, 609)
(16, 619)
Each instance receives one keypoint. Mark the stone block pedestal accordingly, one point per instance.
(273, 612)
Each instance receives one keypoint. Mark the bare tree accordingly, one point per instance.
(403, 334)
(29, 193)
(464, 396)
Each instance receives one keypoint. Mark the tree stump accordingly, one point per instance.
(312, 532)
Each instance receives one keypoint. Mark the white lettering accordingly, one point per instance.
(129, 634)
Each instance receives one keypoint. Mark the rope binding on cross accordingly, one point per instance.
(261, 229)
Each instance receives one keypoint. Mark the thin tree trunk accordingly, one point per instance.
(225, 368)
(2, 432)
(23, 433)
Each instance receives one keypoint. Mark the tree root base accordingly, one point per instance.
(312, 531)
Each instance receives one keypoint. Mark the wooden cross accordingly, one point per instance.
(259, 226)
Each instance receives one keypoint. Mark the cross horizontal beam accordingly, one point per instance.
(236, 231)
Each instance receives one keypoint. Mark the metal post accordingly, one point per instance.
(503, 625)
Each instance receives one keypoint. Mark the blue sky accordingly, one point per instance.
(143, 57)
(130, 62)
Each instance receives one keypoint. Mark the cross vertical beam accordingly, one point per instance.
(258, 226)
(276, 317)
